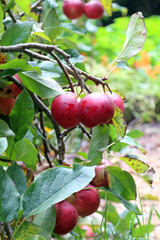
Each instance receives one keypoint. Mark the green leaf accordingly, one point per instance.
(3, 144)
(24, 151)
(130, 141)
(17, 33)
(135, 133)
(1, 18)
(72, 28)
(130, 206)
(123, 65)
(26, 230)
(49, 17)
(46, 220)
(35, 237)
(55, 185)
(99, 142)
(22, 115)
(9, 198)
(107, 4)
(20, 64)
(25, 5)
(135, 37)
(17, 175)
(121, 182)
(43, 87)
(5, 131)
(119, 122)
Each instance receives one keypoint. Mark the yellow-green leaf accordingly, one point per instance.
(141, 168)
(107, 4)
(43, 35)
(25, 5)
(119, 122)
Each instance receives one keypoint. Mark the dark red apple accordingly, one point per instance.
(6, 105)
(85, 201)
(73, 9)
(66, 217)
(11, 90)
(64, 110)
(95, 108)
(101, 177)
(89, 232)
(93, 9)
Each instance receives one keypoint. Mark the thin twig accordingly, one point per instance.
(8, 230)
(5, 160)
(12, 16)
(45, 144)
(84, 130)
(63, 69)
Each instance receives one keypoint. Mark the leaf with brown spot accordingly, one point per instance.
(119, 122)
(140, 167)
(107, 4)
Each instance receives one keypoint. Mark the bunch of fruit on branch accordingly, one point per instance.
(82, 203)
(93, 109)
(74, 9)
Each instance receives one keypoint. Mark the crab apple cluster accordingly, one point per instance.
(82, 203)
(93, 109)
(8, 97)
(74, 9)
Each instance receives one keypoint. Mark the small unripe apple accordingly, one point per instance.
(95, 108)
(89, 232)
(73, 9)
(93, 9)
(66, 217)
(101, 177)
(64, 110)
(86, 201)
(11, 90)
(6, 105)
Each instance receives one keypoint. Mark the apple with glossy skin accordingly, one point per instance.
(89, 232)
(86, 201)
(93, 9)
(66, 217)
(11, 91)
(101, 176)
(73, 9)
(6, 105)
(64, 110)
(95, 108)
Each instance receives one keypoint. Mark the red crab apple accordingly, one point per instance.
(11, 91)
(86, 201)
(95, 108)
(73, 9)
(66, 217)
(93, 9)
(6, 105)
(89, 232)
(101, 177)
(64, 110)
